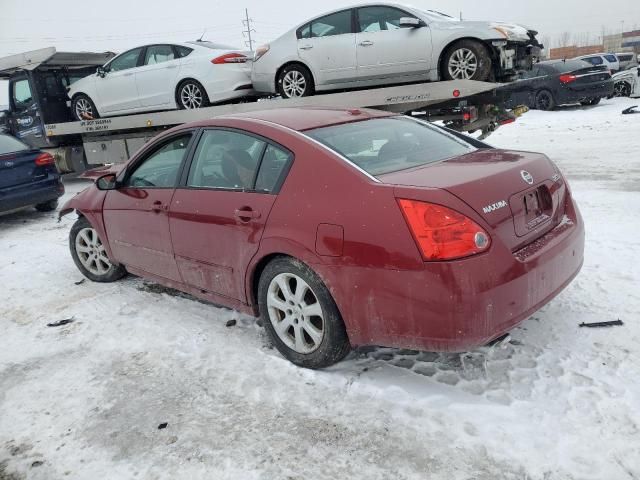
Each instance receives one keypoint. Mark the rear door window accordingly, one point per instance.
(611, 58)
(158, 54)
(385, 145)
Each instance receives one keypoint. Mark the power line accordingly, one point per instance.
(247, 23)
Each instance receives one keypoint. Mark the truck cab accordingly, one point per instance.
(38, 82)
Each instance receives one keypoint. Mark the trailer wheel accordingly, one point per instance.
(83, 108)
(467, 60)
(544, 101)
(191, 95)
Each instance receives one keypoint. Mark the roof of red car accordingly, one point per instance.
(307, 118)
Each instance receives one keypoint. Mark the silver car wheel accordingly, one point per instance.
(191, 96)
(621, 89)
(295, 313)
(294, 84)
(91, 252)
(463, 64)
(84, 110)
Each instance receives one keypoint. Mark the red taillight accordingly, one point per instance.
(442, 233)
(466, 116)
(568, 78)
(45, 159)
(230, 58)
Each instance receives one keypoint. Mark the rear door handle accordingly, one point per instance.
(158, 206)
(245, 214)
(366, 43)
(306, 47)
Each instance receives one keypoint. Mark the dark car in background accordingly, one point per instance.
(561, 82)
(28, 177)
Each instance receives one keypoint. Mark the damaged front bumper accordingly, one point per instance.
(514, 56)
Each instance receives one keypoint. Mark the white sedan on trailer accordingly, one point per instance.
(383, 44)
(163, 77)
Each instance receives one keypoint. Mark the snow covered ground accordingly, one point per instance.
(84, 401)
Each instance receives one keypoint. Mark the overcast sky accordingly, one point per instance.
(115, 25)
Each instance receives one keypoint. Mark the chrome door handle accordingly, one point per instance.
(306, 47)
(366, 43)
(245, 214)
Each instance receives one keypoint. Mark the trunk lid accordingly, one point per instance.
(20, 168)
(520, 195)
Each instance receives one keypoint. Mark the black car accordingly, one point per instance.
(28, 176)
(561, 82)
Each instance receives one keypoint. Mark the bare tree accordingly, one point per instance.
(564, 39)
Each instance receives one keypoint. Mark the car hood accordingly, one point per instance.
(514, 31)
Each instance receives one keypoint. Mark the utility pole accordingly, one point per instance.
(247, 23)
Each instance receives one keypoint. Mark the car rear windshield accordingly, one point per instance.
(569, 66)
(611, 58)
(385, 145)
(10, 144)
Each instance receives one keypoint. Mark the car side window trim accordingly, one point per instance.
(147, 153)
(184, 175)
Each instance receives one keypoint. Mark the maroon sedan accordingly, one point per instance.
(339, 227)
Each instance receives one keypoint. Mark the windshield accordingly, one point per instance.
(385, 145)
(10, 144)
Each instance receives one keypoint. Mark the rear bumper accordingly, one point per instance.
(457, 306)
(573, 94)
(13, 198)
(263, 82)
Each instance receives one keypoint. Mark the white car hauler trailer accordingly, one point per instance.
(464, 105)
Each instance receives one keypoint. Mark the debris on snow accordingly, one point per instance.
(613, 323)
(231, 323)
(163, 425)
(60, 323)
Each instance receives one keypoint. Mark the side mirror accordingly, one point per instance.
(410, 22)
(101, 72)
(107, 182)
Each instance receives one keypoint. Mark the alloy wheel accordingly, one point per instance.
(91, 252)
(295, 313)
(543, 101)
(294, 84)
(621, 89)
(84, 110)
(191, 96)
(463, 64)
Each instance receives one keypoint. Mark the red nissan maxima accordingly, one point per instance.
(339, 227)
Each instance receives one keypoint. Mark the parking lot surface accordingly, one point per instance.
(555, 401)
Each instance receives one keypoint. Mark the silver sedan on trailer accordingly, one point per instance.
(383, 44)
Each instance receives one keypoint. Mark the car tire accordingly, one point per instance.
(544, 101)
(89, 255)
(590, 102)
(295, 81)
(49, 206)
(467, 60)
(300, 316)
(621, 89)
(191, 95)
(83, 108)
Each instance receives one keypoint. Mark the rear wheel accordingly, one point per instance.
(467, 60)
(295, 81)
(544, 101)
(49, 206)
(83, 108)
(89, 254)
(621, 89)
(300, 315)
(590, 101)
(191, 95)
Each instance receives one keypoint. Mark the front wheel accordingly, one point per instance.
(467, 60)
(191, 95)
(300, 315)
(83, 108)
(295, 81)
(89, 254)
(621, 89)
